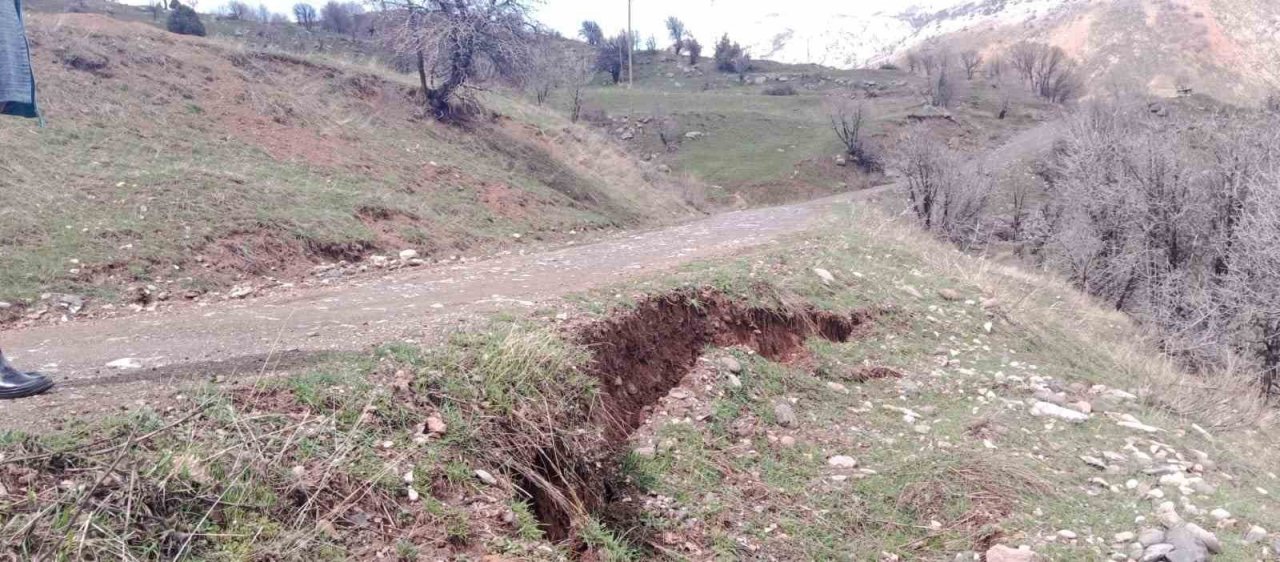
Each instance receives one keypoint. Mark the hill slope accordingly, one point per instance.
(1227, 48)
(190, 164)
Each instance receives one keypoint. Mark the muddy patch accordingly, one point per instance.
(640, 356)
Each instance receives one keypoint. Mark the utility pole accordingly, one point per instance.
(631, 47)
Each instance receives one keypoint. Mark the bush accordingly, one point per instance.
(780, 90)
(185, 21)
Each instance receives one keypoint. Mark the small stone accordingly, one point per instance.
(1056, 411)
(406, 255)
(240, 291)
(1002, 553)
(436, 425)
(485, 477)
(1256, 534)
(731, 364)
(734, 381)
(837, 387)
(408, 477)
(1125, 537)
(1209, 539)
(413, 495)
(125, 364)
(950, 295)
(785, 416)
(825, 275)
(921, 428)
(787, 441)
(1168, 516)
(1068, 534)
(1156, 552)
(1151, 536)
(646, 452)
(299, 471)
(1219, 514)
(842, 461)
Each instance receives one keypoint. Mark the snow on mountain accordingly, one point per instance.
(851, 39)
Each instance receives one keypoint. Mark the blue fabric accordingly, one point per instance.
(17, 83)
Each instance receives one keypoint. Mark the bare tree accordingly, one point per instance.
(156, 7)
(305, 15)
(236, 10)
(1049, 72)
(591, 33)
(263, 14)
(459, 43)
(995, 68)
(651, 45)
(970, 60)
(941, 90)
(578, 74)
(913, 61)
(741, 64)
(611, 56)
(677, 31)
(849, 121)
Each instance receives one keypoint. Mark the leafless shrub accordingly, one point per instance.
(1175, 222)
(945, 192)
(780, 90)
(995, 68)
(850, 123)
(678, 33)
(970, 60)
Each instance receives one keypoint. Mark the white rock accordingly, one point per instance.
(413, 495)
(842, 461)
(1054, 410)
(1125, 537)
(125, 364)
(1002, 553)
(240, 291)
(1167, 513)
(1067, 534)
(1218, 514)
(1255, 534)
(406, 255)
(485, 477)
(825, 275)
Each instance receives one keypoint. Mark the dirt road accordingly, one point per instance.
(238, 338)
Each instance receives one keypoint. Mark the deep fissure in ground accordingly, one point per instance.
(640, 356)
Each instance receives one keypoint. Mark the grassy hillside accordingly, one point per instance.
(902, 429)
(762, 148)
(188, 163)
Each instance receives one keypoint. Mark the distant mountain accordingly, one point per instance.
(855, 39)
(1226, 48)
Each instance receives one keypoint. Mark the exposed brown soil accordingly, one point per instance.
(640, 355)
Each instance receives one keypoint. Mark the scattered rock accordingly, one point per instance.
(647, 452)
(787, 441)
(837, 387)
(693, 135)
(241, 291)
(1053, 410)
(1125, 537)
(950, 295)
(1002, 553)
(664, 168)
(842, 461)
(1217, 514)
(485, 477)
(825, 275)
(406, 255)
(1068, 534)
(785, 416)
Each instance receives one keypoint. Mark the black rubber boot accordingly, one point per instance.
(17, 384)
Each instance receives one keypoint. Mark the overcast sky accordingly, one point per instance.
(707, 19)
